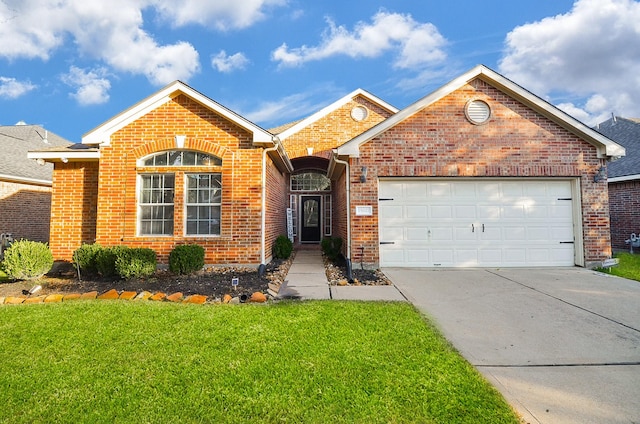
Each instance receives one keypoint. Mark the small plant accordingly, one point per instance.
(27, 260)
(282, 248)
(85, 258)
(186, 258)
(135, 262)
(331, 247)
(106, 260)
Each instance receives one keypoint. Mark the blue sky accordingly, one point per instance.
(70, 65)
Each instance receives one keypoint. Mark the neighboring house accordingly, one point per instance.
(478, 173)
(624, 179)
(25, 186)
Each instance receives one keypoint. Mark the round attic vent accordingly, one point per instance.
(477, 111)
(359, 113)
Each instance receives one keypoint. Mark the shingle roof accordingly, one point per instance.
(16, 141)
(624, 131)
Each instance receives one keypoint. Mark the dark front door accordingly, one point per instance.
(310, 219)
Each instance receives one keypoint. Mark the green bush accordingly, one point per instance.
(106, 260)
(186, 258)
(282, 248)
(135, 262)
(331, 247)
(26, 260)
(85, 257)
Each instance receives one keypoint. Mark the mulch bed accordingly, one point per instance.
(337, 274)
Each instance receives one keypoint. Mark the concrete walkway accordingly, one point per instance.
(307, 280)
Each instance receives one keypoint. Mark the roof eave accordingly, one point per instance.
(65, 156)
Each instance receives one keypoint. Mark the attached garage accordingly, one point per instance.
(477, 222)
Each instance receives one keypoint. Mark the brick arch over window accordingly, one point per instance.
(170, 144)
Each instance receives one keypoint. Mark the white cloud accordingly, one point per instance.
(224, 63)
(416, 44)
(113, 32)
(221, 14)
(593, 52)
(11, 88)
(92, 86)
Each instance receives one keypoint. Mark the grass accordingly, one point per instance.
(629, 266)
(311, 362)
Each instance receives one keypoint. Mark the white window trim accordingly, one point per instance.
(186, 204)
(139, 205)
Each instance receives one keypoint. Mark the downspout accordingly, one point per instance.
(276, 146)
(348, 188)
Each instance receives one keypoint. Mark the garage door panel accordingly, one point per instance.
(440, 223)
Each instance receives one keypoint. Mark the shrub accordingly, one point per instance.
(331, 247)
(26, 260)
(282, 248)
(135, 262)
(106, 260)
(85, 257)
(186, 258)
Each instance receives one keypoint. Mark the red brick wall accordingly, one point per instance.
(624, 202)
(334, 129)
(25, 210)
(517, 142)
(73, 207)
(205, 131)
(277, 202)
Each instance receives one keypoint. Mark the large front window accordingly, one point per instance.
(156, 204)
(204, 195)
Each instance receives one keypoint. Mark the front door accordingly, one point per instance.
(310, 219)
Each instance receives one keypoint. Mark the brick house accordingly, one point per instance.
(478, 173)
(623, 178)
(25, 186)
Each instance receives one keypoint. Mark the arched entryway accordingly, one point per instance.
(310, 200)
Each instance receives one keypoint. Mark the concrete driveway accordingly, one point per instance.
(561, 344)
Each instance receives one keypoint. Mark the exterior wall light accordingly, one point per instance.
(600, 175)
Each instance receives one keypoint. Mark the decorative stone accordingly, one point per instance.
(234, 301)
(227, 298)
(89, 295)
(175, 297)
(272, 293)
(53, 298)
(127, 295)
(274, 287)
(71, 296)
(1, 300)
(343, 282)
(145, 295)
(258, 297)
(158, 296)
(36, 299)
(14, 300)
(109, 295)
(197, 299)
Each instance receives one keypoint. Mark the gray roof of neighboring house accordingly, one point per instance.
(15, 142)
(624, 131)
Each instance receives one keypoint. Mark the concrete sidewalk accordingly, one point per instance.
(306, 280)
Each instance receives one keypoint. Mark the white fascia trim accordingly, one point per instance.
(605, 146)
(13, 178)
(333, 106)
(60, 155)
(102, 134)
(623, 178)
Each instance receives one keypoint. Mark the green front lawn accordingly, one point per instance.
(295, 362)
(629, 266)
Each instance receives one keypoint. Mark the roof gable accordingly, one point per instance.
(289, 130)
(605, 147)
(102, 134)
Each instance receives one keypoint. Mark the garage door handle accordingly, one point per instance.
(387, 242)
(566, 242)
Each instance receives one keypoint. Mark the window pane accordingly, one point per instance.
(175, 158)
(156, 204)
(161, 159)
(203, 199)
(188, 158)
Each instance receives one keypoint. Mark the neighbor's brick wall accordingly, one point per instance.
(334, 129)
(205, 131)
(25, 210)
(73, 207)
(517, 142)
(624, 203)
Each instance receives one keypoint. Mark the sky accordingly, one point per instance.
(70, 65)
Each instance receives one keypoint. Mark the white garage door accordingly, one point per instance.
(483, 223)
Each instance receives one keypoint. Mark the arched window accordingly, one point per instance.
(202, 194)
(310, 181)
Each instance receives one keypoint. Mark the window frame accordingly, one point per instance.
(141, 205)
(188, 204)
(312, 172)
